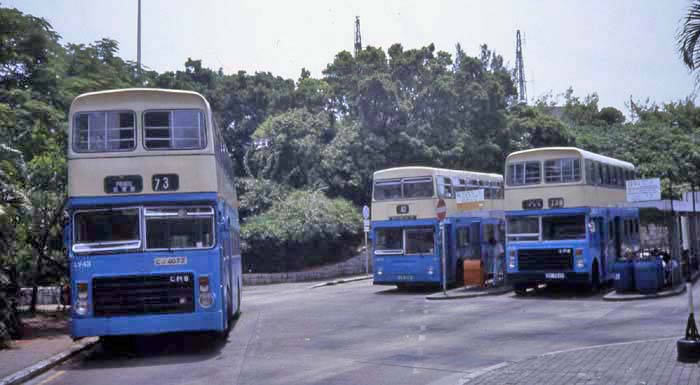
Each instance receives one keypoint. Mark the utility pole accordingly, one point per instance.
(138, 42)
(520, 70)
(358, 36)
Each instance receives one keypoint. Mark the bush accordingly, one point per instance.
(305, 229)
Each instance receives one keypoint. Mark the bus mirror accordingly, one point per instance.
(591, 226)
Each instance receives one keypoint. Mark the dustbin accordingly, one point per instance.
(624, 276)
(648, 276)
(473, 272)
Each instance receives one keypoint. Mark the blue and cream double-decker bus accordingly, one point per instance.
(406, 236)
(565, 218)
(153, 237)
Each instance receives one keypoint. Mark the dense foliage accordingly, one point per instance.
(304, 229)
(309, 142)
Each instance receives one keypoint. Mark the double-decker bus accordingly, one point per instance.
(565, 216)
(153, 238)
(405, 232)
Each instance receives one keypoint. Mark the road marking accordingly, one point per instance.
(421, 337)
(53, 377)
(605, 345)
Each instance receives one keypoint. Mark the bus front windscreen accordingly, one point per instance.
(106, 230)
(179, 228)
(555, 228)
(389, 241)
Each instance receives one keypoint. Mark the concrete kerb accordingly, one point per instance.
(43, 366)
(614, 296)
(339, 281)
(461, 292)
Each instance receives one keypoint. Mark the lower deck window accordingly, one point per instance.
(179, 228)
(389, 241)
(412, 240)
(523, 228)
(106, 230)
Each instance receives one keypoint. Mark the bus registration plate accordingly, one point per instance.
(554, 275)
(169, 261)
(405, 277)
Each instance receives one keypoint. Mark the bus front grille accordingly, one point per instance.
(545, 259)
(143, 294)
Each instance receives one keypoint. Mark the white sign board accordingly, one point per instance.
(470, 196)
(365, 212)
(640, 190)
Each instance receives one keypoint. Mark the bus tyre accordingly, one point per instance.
(238, 303)
(688, 350)
(595, 278)
(520, 289)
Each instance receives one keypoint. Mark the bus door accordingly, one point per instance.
(467, 244)
(618, 237)
(597, 242)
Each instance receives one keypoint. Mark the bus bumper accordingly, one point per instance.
(534, 278)
(147, 324)
(405, 279)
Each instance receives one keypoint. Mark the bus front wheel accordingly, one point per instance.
(520, 289)
(595, 278)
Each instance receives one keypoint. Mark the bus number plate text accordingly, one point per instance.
(165, 182)
(405, 278)
(170, 261)
(554, 275)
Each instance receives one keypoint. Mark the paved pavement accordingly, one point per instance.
(647, 362)
(48, 337)
(357, 333)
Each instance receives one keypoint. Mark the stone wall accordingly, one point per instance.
(352, 266)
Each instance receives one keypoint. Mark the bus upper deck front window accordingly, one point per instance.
(106, 230)
(418, 187)
(523, 228)
(387, 189)
(556, 228)
(104, 131)
(174, 130)
(522, 173)
(179, 227)
(389, 241)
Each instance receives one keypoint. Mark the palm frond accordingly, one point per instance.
(689, 35)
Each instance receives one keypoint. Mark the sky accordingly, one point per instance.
(617, 49)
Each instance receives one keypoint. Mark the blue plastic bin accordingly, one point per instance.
(648, 276)
(624, 276)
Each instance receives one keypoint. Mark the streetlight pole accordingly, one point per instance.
(138, 42)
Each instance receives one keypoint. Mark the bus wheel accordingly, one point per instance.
(520, 289)
(401, 286)
(459, 272)
(595, 278)
(238, 303)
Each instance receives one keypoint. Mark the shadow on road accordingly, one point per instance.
(161, 349)
(563, 292)
(409, 290)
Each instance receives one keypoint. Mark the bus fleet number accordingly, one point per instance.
(165, 182)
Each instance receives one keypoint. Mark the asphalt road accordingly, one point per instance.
(357, 333)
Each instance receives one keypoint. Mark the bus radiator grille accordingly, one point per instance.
(143, 294)
(545, 260)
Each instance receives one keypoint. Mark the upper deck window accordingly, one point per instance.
(174, 130)
(387, 189)
(522, 173)
(562, 170)
(179, 227)
(444, 185)
(103, 131)
(418, 187)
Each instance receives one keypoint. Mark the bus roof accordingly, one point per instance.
(410, 171)
(87, 100)
(534, 152)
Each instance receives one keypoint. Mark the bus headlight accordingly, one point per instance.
(511, 259)
(580, 262)
(206, 298)
(380, 272)
(81, 304)
(430, 270)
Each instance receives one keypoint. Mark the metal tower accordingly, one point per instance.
(358, 37)
(520, 70)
